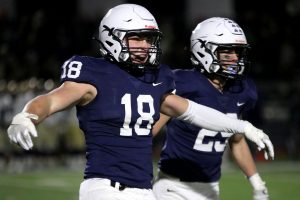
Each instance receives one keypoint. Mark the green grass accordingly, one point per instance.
(46, 185)
(281, 185)
(62, 184)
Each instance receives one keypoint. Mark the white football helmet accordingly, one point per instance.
(215, 34)
(125, 20)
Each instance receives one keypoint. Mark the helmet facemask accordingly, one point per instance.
(236, 69)
(138, 58)
(122, 53)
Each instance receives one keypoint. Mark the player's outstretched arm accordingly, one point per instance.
(243, 157)
(35, 111)
(214, 120)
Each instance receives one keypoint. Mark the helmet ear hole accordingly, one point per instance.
(200, 54)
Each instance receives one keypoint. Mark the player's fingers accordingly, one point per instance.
(32, 130)
(27, 139)
(270, 148)
(11, 134)
(259, 139)
(21, 142)
(260, 144)
(266, 155)
(13, 138)
(259, 149)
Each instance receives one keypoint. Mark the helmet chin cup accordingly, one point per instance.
(214, 68)
(123, 56)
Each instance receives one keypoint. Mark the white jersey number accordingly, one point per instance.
(144, 116)
(71, 69)
(211, 145)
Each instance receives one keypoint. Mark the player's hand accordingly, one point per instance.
(21, 128)
(260, 139)
(261, 194)
(260, 191)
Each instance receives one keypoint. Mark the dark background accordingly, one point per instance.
(37, 36)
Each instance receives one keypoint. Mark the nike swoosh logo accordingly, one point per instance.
(240, 104)
(156, 84)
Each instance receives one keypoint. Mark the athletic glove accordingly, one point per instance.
(260, 191)
(261, 194)
(21, 128)
(260, 139)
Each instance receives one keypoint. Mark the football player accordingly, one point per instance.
(190, 163)
(118, 99)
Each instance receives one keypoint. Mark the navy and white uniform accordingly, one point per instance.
(193, 154)
(117, 124)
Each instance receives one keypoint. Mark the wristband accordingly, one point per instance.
(256, 182)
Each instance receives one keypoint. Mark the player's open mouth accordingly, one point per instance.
(139, 59)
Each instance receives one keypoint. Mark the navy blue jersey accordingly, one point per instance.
(195, 154)
(117, 124)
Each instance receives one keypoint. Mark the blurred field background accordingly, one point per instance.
(62, 183)
(36, 37)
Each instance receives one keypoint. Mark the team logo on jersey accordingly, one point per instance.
(156, 84)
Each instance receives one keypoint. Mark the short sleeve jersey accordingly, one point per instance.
(117, 124)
